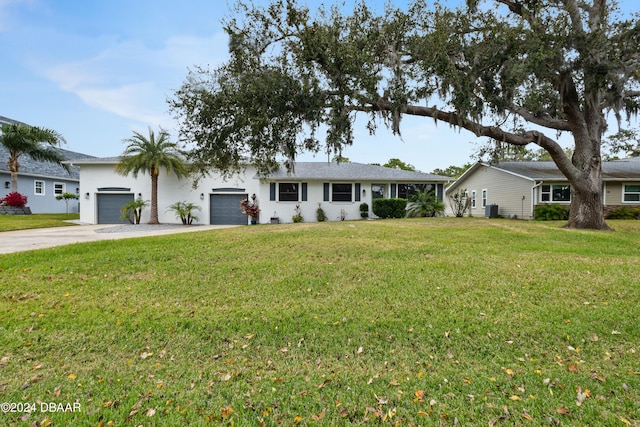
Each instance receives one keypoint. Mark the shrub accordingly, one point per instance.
(460, 202)
(389, 208)
(321, 216)
(14, 199)
(624, 212)
(549, 212)
(424, 204)
(132, 211)
(364, 210)
(184, 211)
(297, 216)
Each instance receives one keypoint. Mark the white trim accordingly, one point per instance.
(64, 188)
(35, 187)
(624, 184)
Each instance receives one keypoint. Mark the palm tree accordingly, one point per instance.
(149, 155)
(424, 204)
(35, 142)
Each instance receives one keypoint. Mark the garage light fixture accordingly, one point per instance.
(7, 184)
(201, 196)
(86, 196)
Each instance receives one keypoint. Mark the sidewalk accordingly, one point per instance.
(39, 238)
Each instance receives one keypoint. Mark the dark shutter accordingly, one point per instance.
(357, 199)
(326, 192)
(304, 191)
(272, 191)
(393, 191)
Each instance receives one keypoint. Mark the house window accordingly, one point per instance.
(58, 188)
(377, 191)
(555, 193)
(631, 193)
(341, 193)
(38, 188)
(473, 198)
(407, 190)
(484, 198)
(288, 192)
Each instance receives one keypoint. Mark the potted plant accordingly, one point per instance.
(275, 219)
(14, 204)
(251, 208)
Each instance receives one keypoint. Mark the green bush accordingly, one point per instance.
(624, 212)
(389, 208)
(548, 212)
(364, 210)
(321, 216)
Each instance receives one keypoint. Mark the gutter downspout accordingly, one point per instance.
(533, 197)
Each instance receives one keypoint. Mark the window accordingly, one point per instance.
(631, 193)
(288, 192)
(58, 188)
(377, 191)
(38, 188)
(473, 198)
(341, 193)
(406, 190)
(555, 193)
(484, 198)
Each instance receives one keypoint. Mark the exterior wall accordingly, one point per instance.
(503, 189)
(42, 203)
(170, 190)
(315, 194)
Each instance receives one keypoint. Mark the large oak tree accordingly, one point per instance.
(517, 71)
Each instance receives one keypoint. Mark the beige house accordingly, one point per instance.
(513, 189)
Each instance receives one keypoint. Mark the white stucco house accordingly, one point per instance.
(339, 188)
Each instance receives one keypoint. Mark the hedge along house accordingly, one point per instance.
(40, 181)
(513, 189)
(339, 188)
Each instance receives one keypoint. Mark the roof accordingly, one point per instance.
(613, 170)
(544, 171)
(28, 166)
(350, 171)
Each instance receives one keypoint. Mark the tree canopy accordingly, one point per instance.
(517, 71)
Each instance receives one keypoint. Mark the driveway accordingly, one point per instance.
(39, 238)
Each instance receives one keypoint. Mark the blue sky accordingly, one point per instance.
(97, 70)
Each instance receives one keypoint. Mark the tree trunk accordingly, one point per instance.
(154, 199)
(14, 167)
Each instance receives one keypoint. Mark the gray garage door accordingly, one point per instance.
(225, 209)
(109, 206)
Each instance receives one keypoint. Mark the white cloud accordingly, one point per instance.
(132, 81)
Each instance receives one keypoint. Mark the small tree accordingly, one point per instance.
(184, 211)
(133, 210)
(321, 216)
(66, 197)
(460, 202)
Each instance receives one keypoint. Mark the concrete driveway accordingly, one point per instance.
(39, 238)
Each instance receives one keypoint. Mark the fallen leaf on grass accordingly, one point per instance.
(297, 419)
(562, 410)
(226, 412)
(150, 412)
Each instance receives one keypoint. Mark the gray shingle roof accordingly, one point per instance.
(350, 171)
(28, 166)
(611, 170)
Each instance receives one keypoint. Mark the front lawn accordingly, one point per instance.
(402, 322)
(23, 222)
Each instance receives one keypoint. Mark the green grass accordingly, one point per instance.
(23, 222)
(401, 322)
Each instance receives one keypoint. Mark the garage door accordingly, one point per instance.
(109, 206)
(225, 209)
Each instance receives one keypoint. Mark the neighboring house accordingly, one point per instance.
(513, 189)
(338, 188)
(41, 182)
